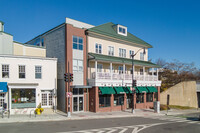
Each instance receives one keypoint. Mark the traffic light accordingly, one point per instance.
(66, 77)
(71, 77)
(134, 83)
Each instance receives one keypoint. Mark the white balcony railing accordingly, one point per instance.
(117, 76)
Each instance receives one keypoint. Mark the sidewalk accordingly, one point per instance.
(60, 116)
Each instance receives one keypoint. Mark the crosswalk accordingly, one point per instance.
(123, 129)
(174, 119)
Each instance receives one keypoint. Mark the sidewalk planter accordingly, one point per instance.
(38, 111)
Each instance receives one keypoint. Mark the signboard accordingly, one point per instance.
(68, 94)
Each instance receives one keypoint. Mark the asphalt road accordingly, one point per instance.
(112, 125)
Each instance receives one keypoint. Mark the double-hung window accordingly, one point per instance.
(77, 43)
(99, 67)
(131, 52)
(22, 72)
(98, 48)
(38, 72)
(110, 50)
(122, 52)
(141, 56)
(77, 65)
(141, 72)
(5, 71)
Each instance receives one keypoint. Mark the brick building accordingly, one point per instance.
(99, 58)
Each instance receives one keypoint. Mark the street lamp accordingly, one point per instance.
(133, 90)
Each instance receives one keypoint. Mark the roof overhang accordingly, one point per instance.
(108, 58)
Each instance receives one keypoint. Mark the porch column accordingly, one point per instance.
(157, 73)
(124, 71)
(152, 71)
(143, 73)
(95, 69)
(111, 70)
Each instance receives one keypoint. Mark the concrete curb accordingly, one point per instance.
(10, 120)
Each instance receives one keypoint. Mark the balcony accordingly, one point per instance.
(116, 71)
(117, 76)
(116, 79)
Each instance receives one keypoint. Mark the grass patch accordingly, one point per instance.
(179, 107)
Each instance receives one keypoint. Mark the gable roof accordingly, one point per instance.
(109, 30)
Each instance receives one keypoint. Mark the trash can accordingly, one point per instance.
(156, 106)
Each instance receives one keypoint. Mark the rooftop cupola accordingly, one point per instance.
(1, 26)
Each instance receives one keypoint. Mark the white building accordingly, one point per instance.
(31, 81)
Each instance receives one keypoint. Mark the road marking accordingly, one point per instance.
(135, 129)
(122, 131)
(193, 122)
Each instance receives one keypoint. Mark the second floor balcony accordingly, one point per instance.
(107, 70)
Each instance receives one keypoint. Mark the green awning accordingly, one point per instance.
(142, 89)
(107, 90)
(151, 89)
(127, 90)
(119, 90)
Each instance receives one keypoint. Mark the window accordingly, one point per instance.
(141, 56)
(104, 101)
(111, 50)
(118, 99)
(149, 97)
(121, 70)
(156, 96)
(2, 99)
(22, 71)
(42, 42)
(38, 72)
(80, 65)
(131, 52)
(77, 43)
(122, 52)
(141, 72)
(5, 71)
(77, 65)
(140, 98)
(98, 48)
(77, 91)
(99, 67)
(122, 30)
(23, 98)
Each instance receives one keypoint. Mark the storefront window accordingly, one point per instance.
(149, 97)
(140, 98)
(104, 100)
(118, 100)
(23, 98)
(2, 99)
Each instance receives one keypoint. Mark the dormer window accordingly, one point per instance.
(122, 30)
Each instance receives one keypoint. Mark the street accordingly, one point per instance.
(160, 124)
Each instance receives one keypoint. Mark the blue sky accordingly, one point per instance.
(171, 26)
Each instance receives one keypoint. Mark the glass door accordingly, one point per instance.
(46, 99)
(78, 100)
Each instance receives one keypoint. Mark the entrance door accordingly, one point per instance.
(78, 100)
(47, 99)
(129, 101)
